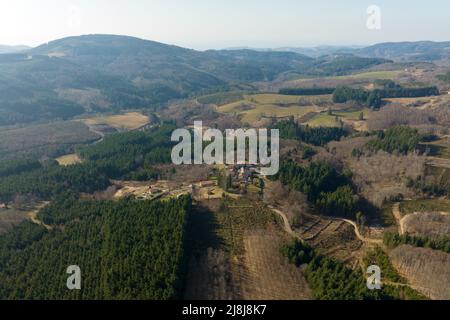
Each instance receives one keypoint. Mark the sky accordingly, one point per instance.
(216, 24)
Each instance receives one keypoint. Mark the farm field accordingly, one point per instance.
(421, 102)
(426, 205)
(280, 99)
(425, 269)
(329, 120)
(336, 239)
(409, 101)
(270, 275)
(372, 75)
(428, 224)
(363, 76)
(236, 247)
(127, 121)
(69, 159)
(255, 107)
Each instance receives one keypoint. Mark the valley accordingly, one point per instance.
(86, 173)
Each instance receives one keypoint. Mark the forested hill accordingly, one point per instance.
(133, 57)
(12, 49)
(67, 77)
(125, 249)
(408, 51)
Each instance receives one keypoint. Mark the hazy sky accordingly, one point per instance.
(203, 24)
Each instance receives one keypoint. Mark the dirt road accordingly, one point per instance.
(33, 216)
(359, 235)
(287, 225)
(288, 228)
(398, 217)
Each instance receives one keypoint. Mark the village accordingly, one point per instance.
(232, 180)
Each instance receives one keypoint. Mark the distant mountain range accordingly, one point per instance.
(408, 51)
(67, 77)
(314, 52)
(74, 75)
(425, 51)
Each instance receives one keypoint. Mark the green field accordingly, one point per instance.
(325, 119)
(255, 107)
(279, 99)
(126, 121)
(239, 216)
(369, 76)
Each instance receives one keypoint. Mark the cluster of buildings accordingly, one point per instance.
(245, 172)
(242, 176)
(152, 193)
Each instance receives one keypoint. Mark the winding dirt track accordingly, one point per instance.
(287, 225)
(398, 217)
(33, 216)
(359, 235)
(288, 228)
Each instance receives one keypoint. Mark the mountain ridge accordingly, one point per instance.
(131, 73)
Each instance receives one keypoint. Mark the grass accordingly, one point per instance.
(426, 205)
(326, 120)
(409, 100)
(387, 216)
(239, 216)
(280, 99)
(69, 159)
(255, 107)
(369, 75)
(273, 111)
(127, 121)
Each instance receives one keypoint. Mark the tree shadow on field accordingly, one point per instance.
(202, 230)
(207, 262)
(374, 215)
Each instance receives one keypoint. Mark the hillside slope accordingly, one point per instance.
(408, 51)
(70, 76)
